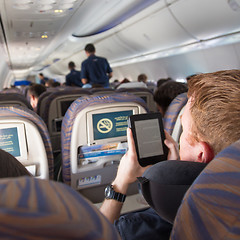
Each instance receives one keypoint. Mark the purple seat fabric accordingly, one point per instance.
(211, 207)
(66, 92)
(32, 208)
(172, 112)
(8, 98)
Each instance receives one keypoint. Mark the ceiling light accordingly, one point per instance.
(58, 11)
(44, 36)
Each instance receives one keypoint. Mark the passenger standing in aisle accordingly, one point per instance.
(95, 70)
(74, 77)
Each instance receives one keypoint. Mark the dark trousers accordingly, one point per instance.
(143, 225)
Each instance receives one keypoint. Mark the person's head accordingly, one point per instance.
(34, 92)
(162, 81)
(41, 76)
(142, 78)
(10, 166)
(211, 119)
(89, 49)
(49, 83)
(164, 95)
(71, 65)
(56, 84)
(125, 80)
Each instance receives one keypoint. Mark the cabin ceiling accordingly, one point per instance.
(42, 34)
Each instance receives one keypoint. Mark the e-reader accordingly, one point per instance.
(148, 134)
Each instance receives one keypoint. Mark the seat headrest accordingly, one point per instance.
(34, 208)
(211, 207)
(165, 183)
(173, 110)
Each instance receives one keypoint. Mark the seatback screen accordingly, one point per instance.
(110, 125)
(13, 140)
(9, 141)
(65, 105)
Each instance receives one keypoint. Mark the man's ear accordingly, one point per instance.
(206, 153)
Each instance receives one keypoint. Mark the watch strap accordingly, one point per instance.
(116, 195)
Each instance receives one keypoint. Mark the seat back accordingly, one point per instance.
(14, 99)
(93, 132)
(211, 207)
(56, 105)
(171, 119)
(32, 208)
(42, 100)
(24, 135)
(143, 93)
(102, 91)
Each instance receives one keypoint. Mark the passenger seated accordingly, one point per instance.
(166, 93)
(34, 92)
(211, 122)
(10, 166)
(49, 83)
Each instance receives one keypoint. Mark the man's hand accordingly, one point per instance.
(128, 171)
(129, 168)
(84, 80)
(173, 153)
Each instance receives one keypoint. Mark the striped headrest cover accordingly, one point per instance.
(211, 207)
(33, 208)
(173, 110)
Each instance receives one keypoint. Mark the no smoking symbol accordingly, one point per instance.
(104, 125)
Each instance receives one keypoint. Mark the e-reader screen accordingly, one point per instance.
(148, 135)
(148, 138)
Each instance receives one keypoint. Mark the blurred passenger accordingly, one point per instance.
(56, 84)
(162, 80)
(34, 92)
(164, 95)
(142, 78)
(43, 79)
(114, 84)
(74, 77)
(95, 69)
(125, 83)
(49, 83)
(10, 166)
(211, 122)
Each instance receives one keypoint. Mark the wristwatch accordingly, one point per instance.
(111, 194)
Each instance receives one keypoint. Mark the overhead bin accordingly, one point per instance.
(206, 19)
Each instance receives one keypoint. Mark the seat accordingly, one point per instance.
(56, 105)
(102, 91)
(33, 208)
(42, 100)
(14, 99)
(143, 93)
(94, 140)
(211, 207)
(171, 119)
(24, 135)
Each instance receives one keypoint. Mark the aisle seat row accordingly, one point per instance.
(94, 127)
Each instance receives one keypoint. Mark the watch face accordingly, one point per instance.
(108, 191)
